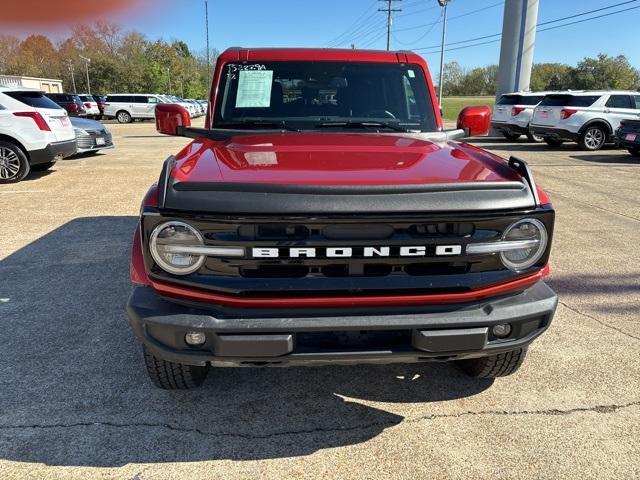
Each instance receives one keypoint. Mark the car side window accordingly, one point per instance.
(637, 101)
(152, 100)
(619, 101)
(139, 99)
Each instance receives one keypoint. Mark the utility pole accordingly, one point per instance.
(206, 19)
(73, 78)
(87, 61)
(389, 11)
(442, 3)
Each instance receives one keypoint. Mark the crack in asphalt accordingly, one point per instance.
(602, 409)
(598, 321)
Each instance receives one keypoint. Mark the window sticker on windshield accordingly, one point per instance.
(411, 73)
(254, 89)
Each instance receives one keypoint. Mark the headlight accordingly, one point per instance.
(175, 247)
(521, 246)
(528, 238)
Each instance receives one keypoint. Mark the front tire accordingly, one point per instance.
(552, 142)
(593, 138)
(14, 165)
(124, 117)
(173, 376)
(494, 366)
(511, 136)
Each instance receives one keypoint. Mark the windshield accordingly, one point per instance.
(306, 93)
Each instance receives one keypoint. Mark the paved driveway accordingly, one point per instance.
(76, 404)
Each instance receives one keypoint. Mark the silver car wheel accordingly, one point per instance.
(9, 164)
(594, 138)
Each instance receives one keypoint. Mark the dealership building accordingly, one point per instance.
(49, 85)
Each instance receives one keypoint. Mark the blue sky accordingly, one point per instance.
(308, 23)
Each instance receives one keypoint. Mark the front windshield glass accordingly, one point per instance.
(308, 94)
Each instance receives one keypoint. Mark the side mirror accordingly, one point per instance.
(475, 120)
(170, 116)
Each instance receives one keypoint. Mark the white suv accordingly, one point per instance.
(587, 117)
(513, 112)
(34, 133)
(126, 107)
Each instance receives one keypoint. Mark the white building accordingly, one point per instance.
(49, 85)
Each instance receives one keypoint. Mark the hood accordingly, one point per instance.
(86, 123)
(338, 174)
(337, 160)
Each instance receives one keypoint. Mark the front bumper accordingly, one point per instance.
(52, 152)
(555, 133)
(278, 338)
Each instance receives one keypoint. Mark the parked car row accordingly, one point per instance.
(35, 132)
(126, 107)
(590, 118)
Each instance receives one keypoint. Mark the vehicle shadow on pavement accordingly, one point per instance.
(74, 391)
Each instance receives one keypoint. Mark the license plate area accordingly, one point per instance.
(630, 137)
(100, 141)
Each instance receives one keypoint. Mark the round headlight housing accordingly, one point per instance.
(173, 246)
(530, 233)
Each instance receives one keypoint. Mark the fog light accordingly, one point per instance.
(195, 338)
(502, 330)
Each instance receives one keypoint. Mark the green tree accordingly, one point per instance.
(550, 76)
(605, 72)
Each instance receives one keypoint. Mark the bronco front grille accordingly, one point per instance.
(352, 275)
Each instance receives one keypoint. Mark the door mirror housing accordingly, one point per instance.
(170, 116)
(476, 120)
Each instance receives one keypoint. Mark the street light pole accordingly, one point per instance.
(442, 3)
(86, 64)
(73, 78)
(206, 19)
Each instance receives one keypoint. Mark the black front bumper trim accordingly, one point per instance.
(434, 333)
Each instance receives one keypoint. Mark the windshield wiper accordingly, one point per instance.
(362, 124)
(259, 123)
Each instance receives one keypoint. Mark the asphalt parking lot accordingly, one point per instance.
(75, 402)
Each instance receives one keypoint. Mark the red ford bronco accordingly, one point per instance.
(323, 216)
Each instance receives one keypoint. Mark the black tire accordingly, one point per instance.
(593, 138)
(553, 142)
(635, 151)
(124, 117)
(511, 136)
(499, 365)
(534, 138)
(14, 164)
(41, 167)
(173, 376)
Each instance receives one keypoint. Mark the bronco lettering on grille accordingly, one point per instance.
(348, 252)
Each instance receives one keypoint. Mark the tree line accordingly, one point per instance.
(602, 72)
(130, 62)
(120, 61)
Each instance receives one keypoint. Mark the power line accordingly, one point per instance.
(389, 11)
(433, 47)
(372, 29)
(452, 18)
(429, 30)
(361, 19)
